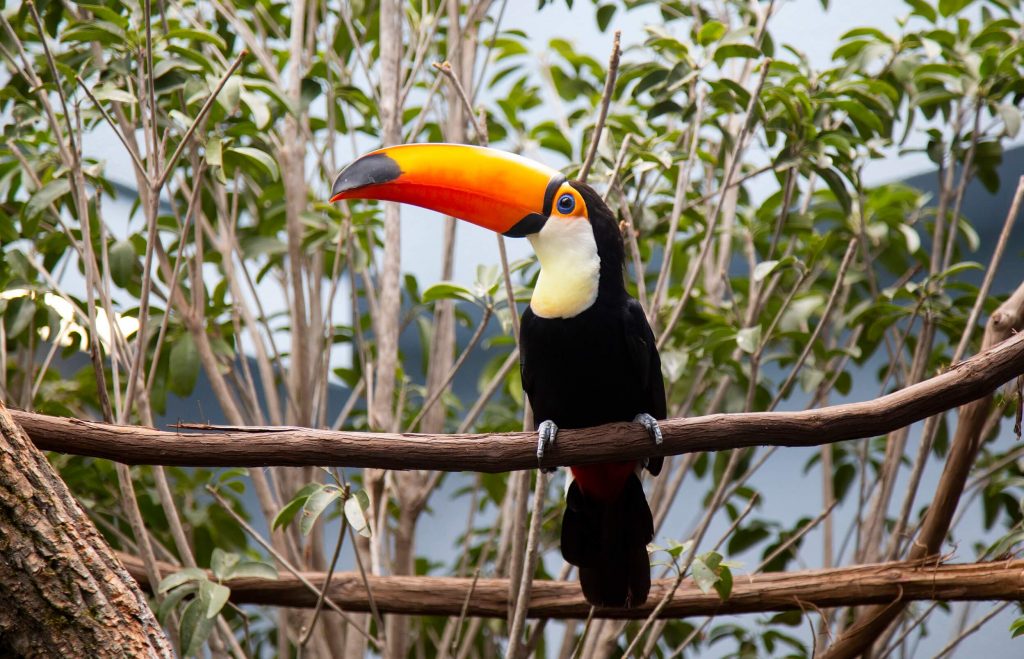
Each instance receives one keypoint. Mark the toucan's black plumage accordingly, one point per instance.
(597, 367)
(588, 355)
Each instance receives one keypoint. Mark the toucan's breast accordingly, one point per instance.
(583, 371)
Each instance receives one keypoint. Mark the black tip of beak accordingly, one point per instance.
(373, 169)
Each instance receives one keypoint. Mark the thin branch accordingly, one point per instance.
(975, 626)
(499, 452)
(514, 648)
(298, 579)
(477, 335)
(606, 99)
(804, 530)
(634, 250)
(488, 392)
(990, 273)
(311, 626)
(141, 169)
(809, 344)
(481, 131)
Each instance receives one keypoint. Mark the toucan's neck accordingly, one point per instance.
(610, 248)
(580, 262)
(570, 269)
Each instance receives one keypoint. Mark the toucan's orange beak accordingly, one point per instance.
(491, 188)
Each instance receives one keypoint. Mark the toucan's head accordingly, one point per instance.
(571, 229)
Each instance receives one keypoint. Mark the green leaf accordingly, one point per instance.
(604, 16)
(215, 595)
(950, 7)
(676, 549)
(284, 517)
(764, 268)
(1017, 627)
(837, 186)
(286, 514)
(448, 291)
(180, 577)
(315, 506)
(105, 13)
(171, 601)
(730, 50)
(710, 32)
(261, 158)
(252, 570)
(46, 195)
(195, 627)
(355, 513)
(197, 35)
(724, 583)
(1011, 116)
(108, 92)
(749, 338)
(184, 366)
(957, 268)
(911, 236)
(104, 32)
(215, 152)
(924, 9)
(703, 576)
(259, 108)
(229, 94)
(221, 562)
(122, 262)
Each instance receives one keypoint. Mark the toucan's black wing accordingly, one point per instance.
(527, 370)
(643, 349)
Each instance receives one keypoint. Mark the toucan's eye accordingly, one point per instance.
(566, 204)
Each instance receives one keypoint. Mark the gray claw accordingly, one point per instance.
(651, 425)
(546, 433)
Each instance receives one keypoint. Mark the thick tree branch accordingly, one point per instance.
(777, 591)
(62, 591)
(969, 380)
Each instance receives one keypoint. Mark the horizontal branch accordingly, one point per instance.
(778, 591)
(969, 380)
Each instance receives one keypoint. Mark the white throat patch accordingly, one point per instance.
(570, 268)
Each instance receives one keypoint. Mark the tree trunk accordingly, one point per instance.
(63, 593)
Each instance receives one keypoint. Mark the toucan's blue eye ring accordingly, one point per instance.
(566, 204)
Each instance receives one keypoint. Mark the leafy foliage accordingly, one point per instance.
(742, 165)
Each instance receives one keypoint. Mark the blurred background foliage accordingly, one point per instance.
(773, 275)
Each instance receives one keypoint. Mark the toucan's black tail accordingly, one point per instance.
(607, 541)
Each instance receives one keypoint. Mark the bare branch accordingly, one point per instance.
(606, 98)
(775, 591)
(140, 168)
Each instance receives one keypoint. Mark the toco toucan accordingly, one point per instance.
(588, 355)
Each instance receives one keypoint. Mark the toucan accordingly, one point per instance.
(588, 355)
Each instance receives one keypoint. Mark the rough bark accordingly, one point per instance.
(63, 592)
(499, 452)
(776, 591)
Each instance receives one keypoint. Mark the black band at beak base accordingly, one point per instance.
(534, 222)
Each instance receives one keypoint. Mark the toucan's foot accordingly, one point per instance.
(546, 433)
(650, 424)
